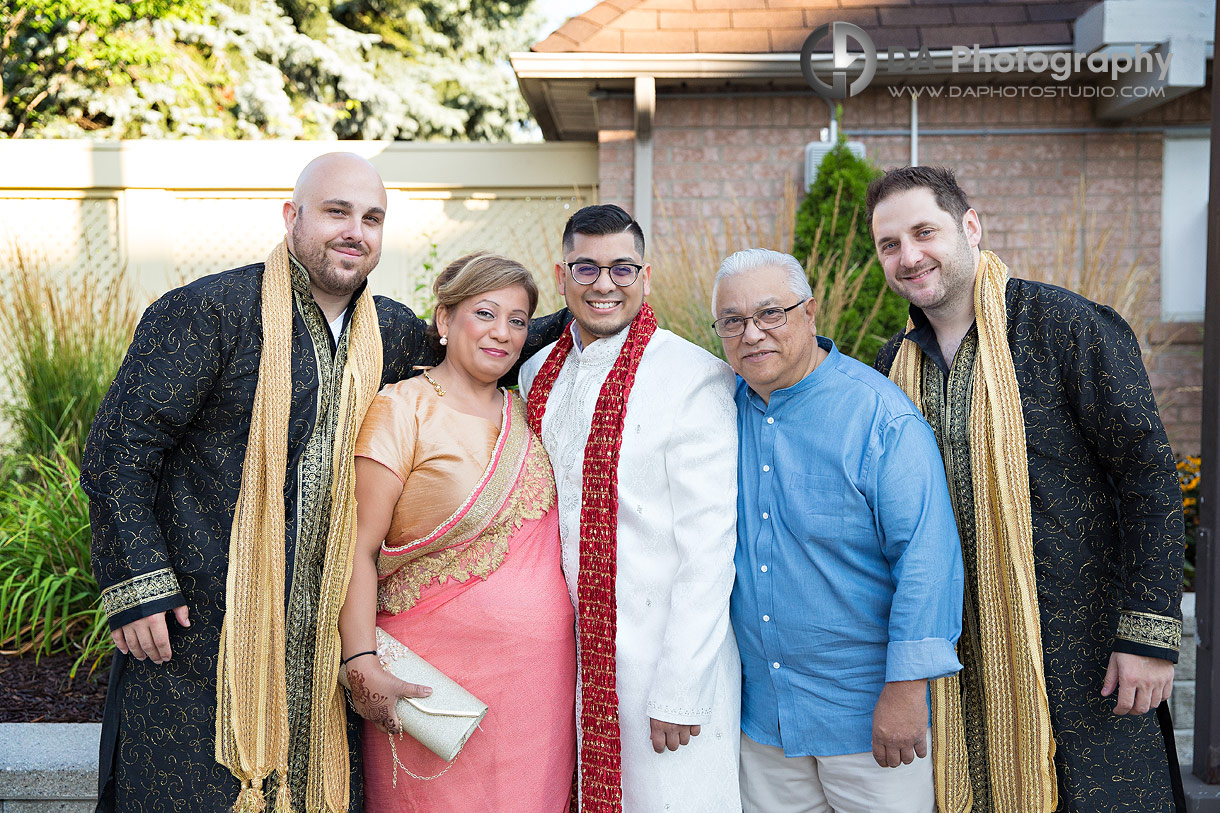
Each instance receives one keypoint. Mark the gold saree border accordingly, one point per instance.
(516, 485)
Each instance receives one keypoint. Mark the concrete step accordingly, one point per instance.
(48, 767)
(1200, 798)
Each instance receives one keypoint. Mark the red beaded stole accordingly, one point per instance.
(600, 764)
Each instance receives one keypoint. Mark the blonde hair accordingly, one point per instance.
(475, 274)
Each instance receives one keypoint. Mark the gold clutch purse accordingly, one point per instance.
(441, 722)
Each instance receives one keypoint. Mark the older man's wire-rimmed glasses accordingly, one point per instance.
(621, 274)
(766, 319)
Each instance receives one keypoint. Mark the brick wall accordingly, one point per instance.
(722, 159)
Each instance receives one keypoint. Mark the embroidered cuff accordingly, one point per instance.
(1146, 629)
(143, 589)
(679, 716)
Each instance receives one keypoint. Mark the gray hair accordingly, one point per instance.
(755, 259)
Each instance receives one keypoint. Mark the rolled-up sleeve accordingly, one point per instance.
(919, 539)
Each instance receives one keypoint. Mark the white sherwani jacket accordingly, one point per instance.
(677, 484)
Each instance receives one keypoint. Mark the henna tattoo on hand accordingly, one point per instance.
(373, 706)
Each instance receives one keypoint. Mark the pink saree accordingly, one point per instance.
(479, 594)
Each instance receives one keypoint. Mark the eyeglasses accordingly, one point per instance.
(766, 319)
(621, 274)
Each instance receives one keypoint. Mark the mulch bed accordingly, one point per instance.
(42, 692)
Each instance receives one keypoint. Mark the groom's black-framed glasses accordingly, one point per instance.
(766, 319)
(621, 274)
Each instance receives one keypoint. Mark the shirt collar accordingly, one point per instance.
(922, 333)
(924, 336)
(577, 342)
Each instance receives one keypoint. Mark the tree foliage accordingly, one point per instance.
(377, 69)
(832, 228)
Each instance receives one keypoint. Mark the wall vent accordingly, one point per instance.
(815, 151)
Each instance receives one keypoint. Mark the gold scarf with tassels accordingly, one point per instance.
(1020, 744)
(251, 685)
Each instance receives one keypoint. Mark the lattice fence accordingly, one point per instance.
(69, 236)
(527, 229)
(220, 233)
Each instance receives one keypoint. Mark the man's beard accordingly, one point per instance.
(323, 274)
(960, 284)
(604, 330)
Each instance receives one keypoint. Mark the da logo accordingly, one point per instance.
(841, 60)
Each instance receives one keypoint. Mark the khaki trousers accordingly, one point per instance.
(851, 783)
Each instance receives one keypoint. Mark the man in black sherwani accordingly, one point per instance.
(1069, 512)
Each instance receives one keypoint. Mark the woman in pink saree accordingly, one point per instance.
(458, 558)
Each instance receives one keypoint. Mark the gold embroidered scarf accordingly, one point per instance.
(251, 689)
(1021, 746)
(516, 486)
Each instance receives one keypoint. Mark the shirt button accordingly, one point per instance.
(764, 568)
(775, 665)
(766, 618)
(766, 468)
(766, 515)
(770, 420)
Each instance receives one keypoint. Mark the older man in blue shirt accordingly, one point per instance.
(848, 597)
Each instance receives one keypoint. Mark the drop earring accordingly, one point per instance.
(444, 341)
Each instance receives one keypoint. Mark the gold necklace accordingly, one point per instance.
(435, 386)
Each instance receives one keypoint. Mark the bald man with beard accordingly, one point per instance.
(292, 348)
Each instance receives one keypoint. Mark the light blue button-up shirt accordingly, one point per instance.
(849, 568)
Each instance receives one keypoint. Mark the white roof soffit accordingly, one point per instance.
(1177, 32)
(745, 67)
(531, 65)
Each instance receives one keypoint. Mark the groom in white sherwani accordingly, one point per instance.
(641, 428)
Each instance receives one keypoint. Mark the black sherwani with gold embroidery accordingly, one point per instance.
(162, 468)
(1107, 532)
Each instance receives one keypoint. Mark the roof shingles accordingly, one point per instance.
(780, 26)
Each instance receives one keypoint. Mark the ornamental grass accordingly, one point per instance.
(1091, 255)
(47, 589)
(60, 347)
